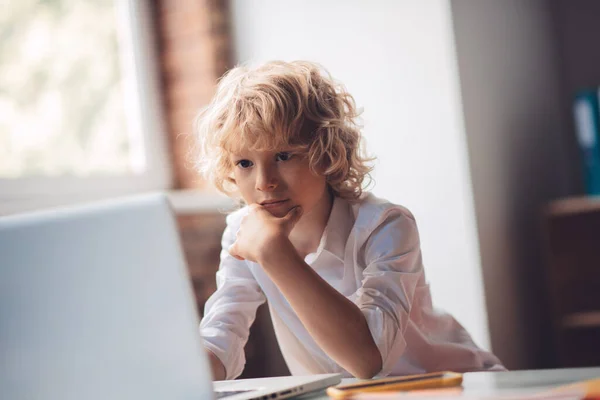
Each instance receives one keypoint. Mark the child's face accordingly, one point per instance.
(278, 180)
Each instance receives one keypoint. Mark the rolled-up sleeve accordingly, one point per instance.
(230, 311)
(393, 270)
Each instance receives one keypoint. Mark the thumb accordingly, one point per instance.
(292, 217)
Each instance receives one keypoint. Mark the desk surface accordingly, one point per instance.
(488, 383)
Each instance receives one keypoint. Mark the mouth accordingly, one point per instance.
(273, 203)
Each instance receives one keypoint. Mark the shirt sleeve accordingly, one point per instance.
(230, 311)
(393, 271)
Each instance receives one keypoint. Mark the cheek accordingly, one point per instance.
(309, 187)
(243, 181)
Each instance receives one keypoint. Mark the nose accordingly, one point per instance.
(266, 179)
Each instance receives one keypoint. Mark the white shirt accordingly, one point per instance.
(370, 252)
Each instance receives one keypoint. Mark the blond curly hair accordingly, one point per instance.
(292, 105)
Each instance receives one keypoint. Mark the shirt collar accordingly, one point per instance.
(337, 230)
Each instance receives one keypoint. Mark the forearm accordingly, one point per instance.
(335, 323)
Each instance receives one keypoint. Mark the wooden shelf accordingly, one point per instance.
(573, 205)
(571, 231)
(588, 319)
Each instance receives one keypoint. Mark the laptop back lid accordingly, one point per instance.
(95, 303)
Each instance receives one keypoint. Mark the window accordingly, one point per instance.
(80, 112)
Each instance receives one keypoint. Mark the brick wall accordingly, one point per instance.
(195, 50)
(201, 240)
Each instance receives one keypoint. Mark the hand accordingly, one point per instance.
(260, 232)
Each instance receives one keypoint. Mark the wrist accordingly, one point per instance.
(276, 250)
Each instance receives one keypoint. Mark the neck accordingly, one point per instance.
(307, 233)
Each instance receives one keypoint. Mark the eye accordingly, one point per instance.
(244, 164)
(283, 156)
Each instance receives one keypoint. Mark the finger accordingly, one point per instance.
(292, 217)
(233, 252)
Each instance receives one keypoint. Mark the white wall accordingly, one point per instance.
(514, 121)
(397, 59)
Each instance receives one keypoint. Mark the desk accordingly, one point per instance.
(488, 383)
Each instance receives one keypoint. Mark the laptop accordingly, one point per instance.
(96, 303)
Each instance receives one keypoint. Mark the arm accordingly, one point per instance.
(365, 338)
(393, 272)
(336, 324)
(230, 311)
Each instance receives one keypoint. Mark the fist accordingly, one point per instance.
(260, 232)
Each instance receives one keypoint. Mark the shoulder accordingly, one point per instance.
(385, 227)
(371, 212)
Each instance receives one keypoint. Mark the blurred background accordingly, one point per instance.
(469, 106)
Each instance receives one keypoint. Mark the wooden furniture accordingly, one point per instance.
(572, 230)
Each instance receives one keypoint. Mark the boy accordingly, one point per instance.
(341, 269)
